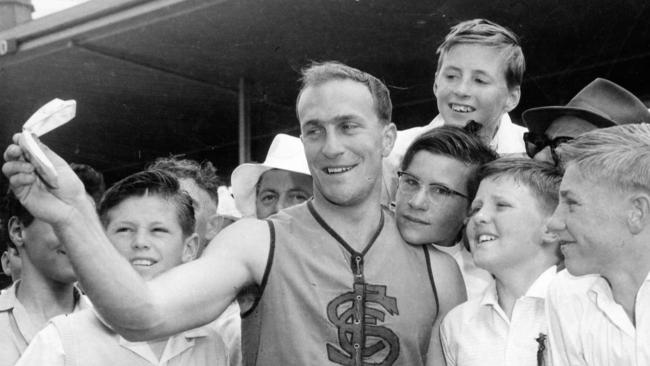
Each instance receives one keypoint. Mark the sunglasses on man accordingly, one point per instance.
(538, 142)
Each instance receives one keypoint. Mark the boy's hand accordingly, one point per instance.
(52, 204)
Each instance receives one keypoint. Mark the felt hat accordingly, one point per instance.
(601, 103)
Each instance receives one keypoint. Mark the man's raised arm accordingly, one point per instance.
(190, 295)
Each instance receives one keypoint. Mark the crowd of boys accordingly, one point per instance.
(469, 241)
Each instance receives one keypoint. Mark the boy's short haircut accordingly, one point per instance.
(151, 182)
(455, 143)
(486, 33)
(618, 155)
(319, 73)
(542, 178)
(92, 180)
(204, 174)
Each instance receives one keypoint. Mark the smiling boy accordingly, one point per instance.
(508, 237)
(150, 221)
(478, 78)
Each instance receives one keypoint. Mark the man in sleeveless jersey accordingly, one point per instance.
(336, 284)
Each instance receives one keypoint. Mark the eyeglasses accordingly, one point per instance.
(410, 184)
(536, 143)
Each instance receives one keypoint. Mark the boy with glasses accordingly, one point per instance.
(437, 182)
(600, 104)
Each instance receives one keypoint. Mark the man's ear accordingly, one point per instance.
(15, 228)
(638, 216)
(190, 248)
(6, 268)
(389, 137)
(514, 94)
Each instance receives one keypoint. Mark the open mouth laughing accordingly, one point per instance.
(485, 238)
(461, 108)
(143, 262)
(337, 170)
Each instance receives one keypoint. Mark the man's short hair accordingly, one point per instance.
(204, 174)
(486, 33)
(542, 178)
(456, 143)
(92, 180)
(319, 73)
(619, 155)
(151, 182)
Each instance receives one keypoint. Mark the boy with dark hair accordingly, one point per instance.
(150, 221)
(509, 238)
(47, 281)
(445, 162)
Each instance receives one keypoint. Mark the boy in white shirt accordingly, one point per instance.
(478, 78)
(508, 237)
(150, 221)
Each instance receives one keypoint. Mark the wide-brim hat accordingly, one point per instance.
(286, 152)
(601, 103)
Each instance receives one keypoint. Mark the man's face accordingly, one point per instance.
(279, 189)
(471, 85)
(44, 251)
(506, 224)
(590, 221)
(205, 209)
(145, 230)
(565, 126)
(422, 220)
(344, 140)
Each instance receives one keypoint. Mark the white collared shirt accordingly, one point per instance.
(476, 279)
(478, 332)
(509, 139)
(47, 349)
(16, 326)
(587, 327)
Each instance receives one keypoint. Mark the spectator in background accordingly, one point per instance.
(149, 219)
(478, 81)
(46, 285)
(600, 104)
(282, 181)
(603, 222)
(508, 236)
(436, 185)
(201, 182)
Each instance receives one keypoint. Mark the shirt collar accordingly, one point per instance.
(541, 284)
(537, 289)
(8, 297)
(175, 345)
(509, 138)
(600, 294)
